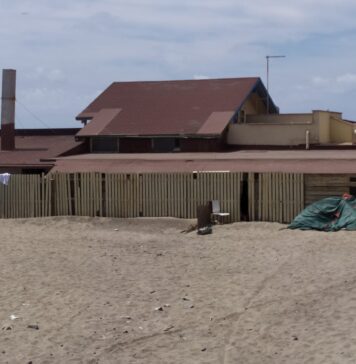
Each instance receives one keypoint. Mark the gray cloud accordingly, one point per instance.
(66, 51)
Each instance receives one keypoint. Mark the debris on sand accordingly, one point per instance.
(190, 229)
(34, 327)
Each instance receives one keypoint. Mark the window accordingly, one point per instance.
(163, 145)
(242, 116)
(105, 145)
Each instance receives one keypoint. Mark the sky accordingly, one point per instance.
(67, 52)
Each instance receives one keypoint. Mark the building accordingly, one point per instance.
(202, 116)
(170, 116)
(182, 126)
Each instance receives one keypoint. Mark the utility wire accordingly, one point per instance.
(18, 121)
(33, 115)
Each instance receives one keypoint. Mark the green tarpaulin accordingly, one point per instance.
(329, 214)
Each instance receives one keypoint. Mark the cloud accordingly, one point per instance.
(66, 50)
(200, 77)
(348, 78)
(320, 81)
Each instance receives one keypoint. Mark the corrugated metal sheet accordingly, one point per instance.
(32, 149)
(167, 107)
(216, 123)
(241, 161)
(99, 122)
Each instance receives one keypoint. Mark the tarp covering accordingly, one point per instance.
(329, 214)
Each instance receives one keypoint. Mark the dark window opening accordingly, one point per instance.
(353, 191)
(33, 171)
(164, 145)
(105, 144)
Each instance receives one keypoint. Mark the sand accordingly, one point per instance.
(140, 291)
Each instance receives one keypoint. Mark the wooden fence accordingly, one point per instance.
(267, 196)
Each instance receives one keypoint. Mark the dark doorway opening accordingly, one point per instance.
(244, 198)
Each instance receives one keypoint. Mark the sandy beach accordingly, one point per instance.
(91, 290)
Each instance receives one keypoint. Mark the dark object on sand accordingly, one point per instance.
(205, 230)
(35, 327)
(204, 216)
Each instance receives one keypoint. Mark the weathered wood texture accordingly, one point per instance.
(318, 186)
(280, 197)
(271, 196)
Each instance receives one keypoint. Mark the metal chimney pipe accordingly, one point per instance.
(8, 109)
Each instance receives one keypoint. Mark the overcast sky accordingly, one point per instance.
(67, 51)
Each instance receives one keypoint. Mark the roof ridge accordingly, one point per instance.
(191, 80)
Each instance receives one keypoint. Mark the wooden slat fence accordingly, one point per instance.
(271, 196)
(280, 197)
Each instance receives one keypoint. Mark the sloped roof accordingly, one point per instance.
(33, 147)
(291, 161)
(167, 107)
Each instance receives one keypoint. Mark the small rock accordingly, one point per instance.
(167, 305)
(185, 299)
(295, 337)
(152, 292)
(160, 308)
(204, 349)
(126, 332)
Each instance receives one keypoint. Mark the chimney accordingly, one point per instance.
(8, 109)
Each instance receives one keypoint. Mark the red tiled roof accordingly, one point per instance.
(167, 107)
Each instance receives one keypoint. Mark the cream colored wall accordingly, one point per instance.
(322, 119)
(271, 134)
(280, 118)
(324, 127)
(341, 131)
(253, 105)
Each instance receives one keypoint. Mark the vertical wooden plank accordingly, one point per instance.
(107, 211)
(266, 196)
(295, 186)
(289, 196)
(237, 179)
(273, 197)
(278, 197)
(250, 197)
(302, 202)
(114, 194)
(16, 196)
(275, 200)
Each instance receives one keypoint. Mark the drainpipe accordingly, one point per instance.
(8, 109)
(307, 139)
